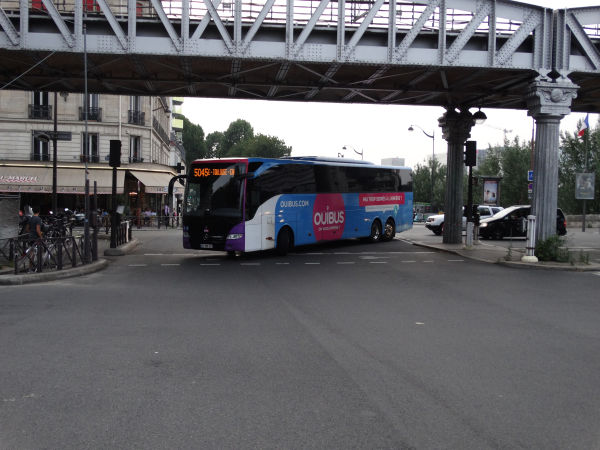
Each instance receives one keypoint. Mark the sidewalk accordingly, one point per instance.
(579, 245)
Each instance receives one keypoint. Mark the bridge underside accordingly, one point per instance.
(276, 80)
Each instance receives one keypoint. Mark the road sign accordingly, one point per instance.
(530, 175)
(530, 188)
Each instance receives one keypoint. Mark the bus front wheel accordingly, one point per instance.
(375, 235)
(284, 242)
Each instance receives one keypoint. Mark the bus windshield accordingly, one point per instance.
(214, 189)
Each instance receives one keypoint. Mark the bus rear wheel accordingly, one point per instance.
(375, 235)
(285, 242)
(389, 231)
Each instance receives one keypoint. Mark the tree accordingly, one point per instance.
(214, 145)
(193, 141)
(511, 162)
(422, 183)
(572, 161)
(238, 132)
(264, 146)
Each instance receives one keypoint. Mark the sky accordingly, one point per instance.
(378, 131)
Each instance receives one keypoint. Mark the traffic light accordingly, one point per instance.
(471, 153)
(115, 153)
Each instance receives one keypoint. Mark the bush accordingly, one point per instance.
(551, 250)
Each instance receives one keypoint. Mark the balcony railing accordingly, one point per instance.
(93, 114)
(137, 117)
(92, 159)
(40, 112)
(160, 131)
(37, 156)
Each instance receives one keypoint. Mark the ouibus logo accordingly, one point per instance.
(329, 217)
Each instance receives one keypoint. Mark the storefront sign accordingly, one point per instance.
(17, 179)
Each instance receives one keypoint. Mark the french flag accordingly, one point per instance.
(584, 126)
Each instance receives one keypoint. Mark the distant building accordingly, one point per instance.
(392, 162)
(145, 126)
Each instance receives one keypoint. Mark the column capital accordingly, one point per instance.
(456, 126)
(550, 98)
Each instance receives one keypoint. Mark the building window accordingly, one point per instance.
(93, 111)
(90, 153)
(135, 149)
(40, 108)
(40, 150)
(136, 116)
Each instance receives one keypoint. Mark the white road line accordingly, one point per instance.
(250, 264)
(456, 260)
(210, 264)
(596, 273)
(408, 261)
(427, 261)
(137, 265)
(153, 254)
(377, 262)
(282, 263)
(312, 263)
(346, 262)
(170, 264)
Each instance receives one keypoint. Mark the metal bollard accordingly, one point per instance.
(469, 236)
(530, 248)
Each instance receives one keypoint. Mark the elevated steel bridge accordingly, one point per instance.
(438, 52)
(453, 53)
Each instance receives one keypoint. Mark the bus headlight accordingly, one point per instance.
(234, 236)
(483, 225)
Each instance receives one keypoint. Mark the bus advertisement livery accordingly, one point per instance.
(253, 204)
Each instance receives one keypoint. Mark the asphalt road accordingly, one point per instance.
(339, 346)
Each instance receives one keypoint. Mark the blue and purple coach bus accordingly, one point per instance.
(253, 204)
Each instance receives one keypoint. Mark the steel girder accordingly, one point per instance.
(373, 51)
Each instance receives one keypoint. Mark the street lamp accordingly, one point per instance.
(355, 151)
(432, 137)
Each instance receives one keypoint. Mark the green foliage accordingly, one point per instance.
(551, 249)
(193, 141)
(237, 140)
(572, 161)
(422, 184)
(511, 162)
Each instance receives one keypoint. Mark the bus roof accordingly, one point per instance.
(298, 160)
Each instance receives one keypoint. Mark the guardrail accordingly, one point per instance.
(47, 254)
(154, 221)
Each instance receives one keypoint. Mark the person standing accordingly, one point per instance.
(34, 225)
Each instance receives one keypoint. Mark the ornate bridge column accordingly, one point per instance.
(548, 102)
(456, 129)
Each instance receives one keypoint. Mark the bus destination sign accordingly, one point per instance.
(203, 172)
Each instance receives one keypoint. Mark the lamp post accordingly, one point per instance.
(354, 150)
(432, 137)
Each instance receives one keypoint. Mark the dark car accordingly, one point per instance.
(512, 222)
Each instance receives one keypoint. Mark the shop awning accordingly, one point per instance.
(70, 180)
(156, 182)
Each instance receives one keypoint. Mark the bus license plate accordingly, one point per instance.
(206, 246)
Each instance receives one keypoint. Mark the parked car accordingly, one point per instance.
(435, 223)
(512, 222)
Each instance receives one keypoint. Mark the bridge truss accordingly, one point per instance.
(438, 52)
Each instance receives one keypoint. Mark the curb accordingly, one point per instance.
(123, 249)
(8, 280)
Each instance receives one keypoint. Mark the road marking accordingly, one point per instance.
(312, 263)
(282, 263)
(346, 262)
(597, 273)
(378, 262)
(456, 260)
(427, 261)
(408, 261)
(250, 264)
(153, 254)
(170, 264)
(210, 264)
(137, 265)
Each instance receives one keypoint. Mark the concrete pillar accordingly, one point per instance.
(548, 102)
(456, 129)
